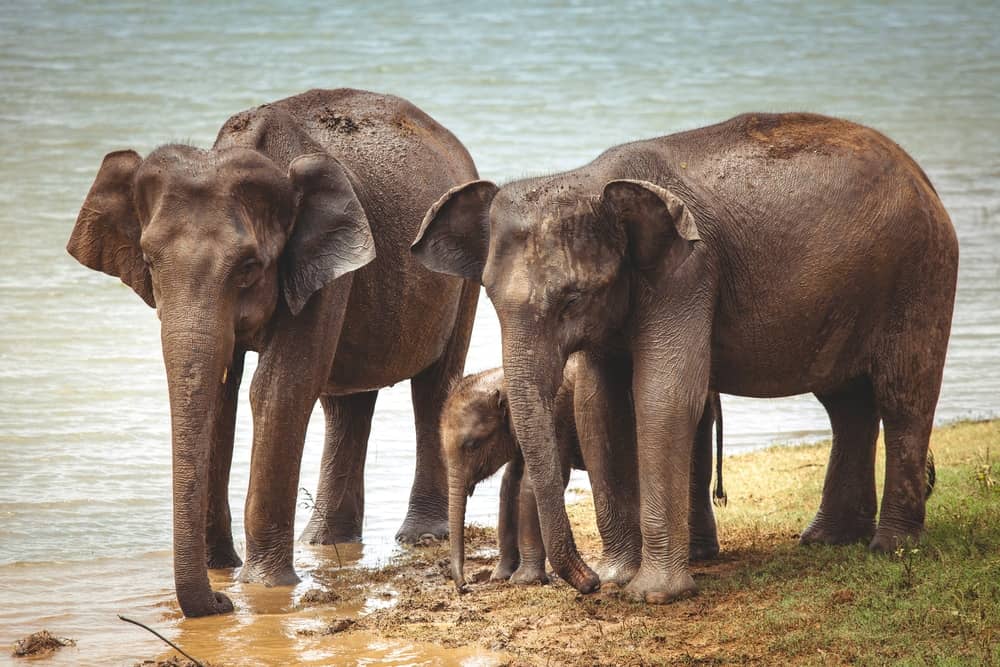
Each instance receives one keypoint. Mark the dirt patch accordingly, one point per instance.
(332, 120)
(338, 626)
(787, 135)
(173, 661)
(538, 625)
(39, 644)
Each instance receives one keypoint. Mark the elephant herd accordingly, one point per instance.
(344, 236)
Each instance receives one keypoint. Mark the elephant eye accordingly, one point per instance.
(248, 273)
(571, 300)
(471, 444)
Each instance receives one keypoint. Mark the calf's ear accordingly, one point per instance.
(454, 237)
(660, 227)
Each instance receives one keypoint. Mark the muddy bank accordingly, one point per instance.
(766, 600)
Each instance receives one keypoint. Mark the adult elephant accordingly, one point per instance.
(768, 255)
(251, 245)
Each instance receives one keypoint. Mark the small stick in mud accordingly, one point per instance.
(177, 648)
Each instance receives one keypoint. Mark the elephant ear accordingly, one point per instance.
(330, 236)
(107, 231)
(454, 237)
(660, 228)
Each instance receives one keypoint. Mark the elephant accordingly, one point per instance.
(767, 255)
(478, 438)
(289, 238)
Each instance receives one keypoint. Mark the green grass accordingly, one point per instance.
(766, 600)
(936, 602)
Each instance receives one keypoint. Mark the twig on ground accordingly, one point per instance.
(177, 648)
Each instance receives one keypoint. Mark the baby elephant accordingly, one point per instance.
(478, 439)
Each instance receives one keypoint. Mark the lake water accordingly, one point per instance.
(529, 87)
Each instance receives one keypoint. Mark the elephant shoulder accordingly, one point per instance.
(270, 129)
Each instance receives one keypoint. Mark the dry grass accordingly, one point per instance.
(39, 644)
(764, 601)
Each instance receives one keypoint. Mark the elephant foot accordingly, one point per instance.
(528, 574)
(888, 540)
(252, 573)
(823, 530)
(420, 529)
(655, 587)
(703, 549)
(504, 570)
(222, 556)
(321, 530)
(616, 570)
(208, 604)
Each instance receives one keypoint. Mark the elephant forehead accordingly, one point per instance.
(200, 176)
(468, 424)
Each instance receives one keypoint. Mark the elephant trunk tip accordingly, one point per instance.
(579, 575)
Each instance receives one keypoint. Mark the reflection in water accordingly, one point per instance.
(81, 600)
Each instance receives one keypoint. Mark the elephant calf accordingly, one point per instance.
(477, 438)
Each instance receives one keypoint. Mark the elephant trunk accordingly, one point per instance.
(533, 377)
(457, 497)
(196, 355)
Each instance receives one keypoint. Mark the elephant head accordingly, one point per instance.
(219, 242)
(476, 441)
(561, 259)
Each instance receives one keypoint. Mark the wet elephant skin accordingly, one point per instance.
(767, 255)
(478, 439)
(289, 237)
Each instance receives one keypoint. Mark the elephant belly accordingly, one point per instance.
(801, 334)
(395, 327)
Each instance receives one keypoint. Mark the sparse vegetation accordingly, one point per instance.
(39, 644)
(766, 600)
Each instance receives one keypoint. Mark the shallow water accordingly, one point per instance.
(268, 627)
(534, 87)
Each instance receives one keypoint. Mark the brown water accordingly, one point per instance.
(81, 600)
(529, 87)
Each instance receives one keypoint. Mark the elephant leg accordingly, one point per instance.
(291, 373)
(340, 499)
(529, 540)
(906, 374)
(704, 543)
(906, 401)
(605, 427)
(847, 511)
(218, 521)
(507, 525)
(670, 386)
(427, 513)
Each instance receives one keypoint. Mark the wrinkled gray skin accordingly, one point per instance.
(768, 255)
(251, 245)
(478, 438)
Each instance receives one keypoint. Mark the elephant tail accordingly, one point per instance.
(719, 494)
(931, 475)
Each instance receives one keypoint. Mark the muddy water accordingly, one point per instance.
(81, 599)
(84, 429)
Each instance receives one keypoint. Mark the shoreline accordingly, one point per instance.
(765, 600)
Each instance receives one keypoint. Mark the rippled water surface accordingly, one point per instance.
(530, 88)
